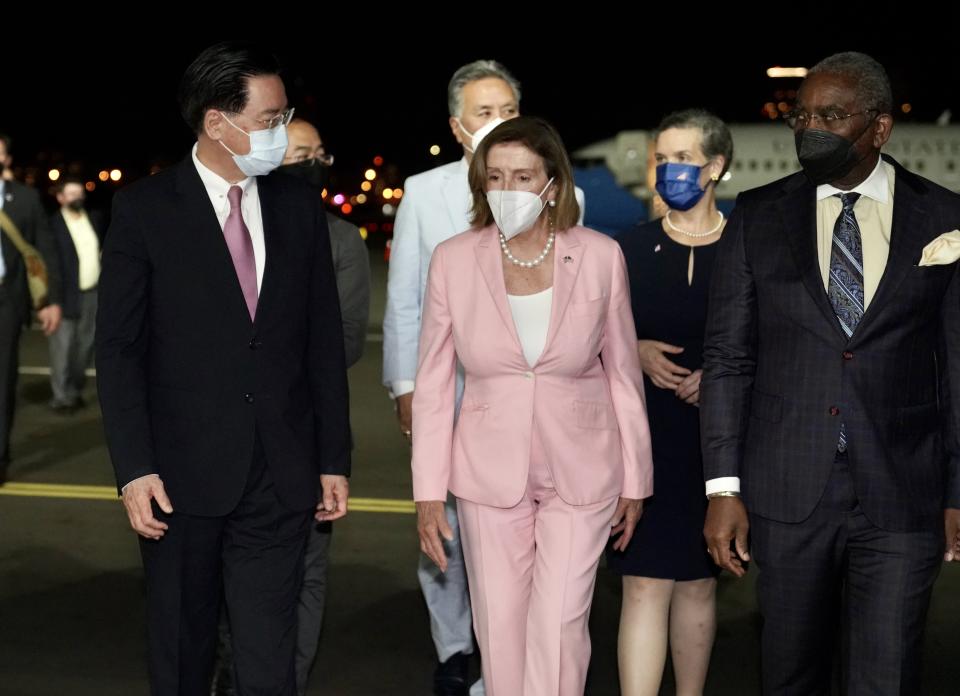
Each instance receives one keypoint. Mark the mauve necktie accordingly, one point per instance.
(241, 250)
(845, 287)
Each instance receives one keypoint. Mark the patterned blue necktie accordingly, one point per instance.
(845, 287)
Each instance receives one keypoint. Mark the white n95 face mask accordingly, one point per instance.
(481, 132)
(516, 211)
(267, 148)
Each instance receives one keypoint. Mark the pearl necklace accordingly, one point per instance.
(526, 264)
(694, 235)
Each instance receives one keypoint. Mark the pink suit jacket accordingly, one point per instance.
(585, 392)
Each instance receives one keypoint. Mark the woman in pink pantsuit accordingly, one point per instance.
(550, 453)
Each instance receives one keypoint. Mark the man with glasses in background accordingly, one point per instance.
(222, 379)
(828, 401)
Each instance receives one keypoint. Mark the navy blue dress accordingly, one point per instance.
(668, 542)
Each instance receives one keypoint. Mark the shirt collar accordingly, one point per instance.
(214, 183)
(875, 186)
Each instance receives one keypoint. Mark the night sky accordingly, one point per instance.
(109, 101)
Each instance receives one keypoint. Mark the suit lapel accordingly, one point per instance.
(270, 214)
(456, 198)
(567, 259)
(202, 228)
(488, 255)
(798, 213)
(908, 233)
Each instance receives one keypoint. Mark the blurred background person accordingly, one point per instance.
(436, 205)
(22, 211)
(78, 234)
(551, 448)
(669, 579)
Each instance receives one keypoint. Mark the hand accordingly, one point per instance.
(404, 405)
(951, 524)
(334, 494)
(689, 389)
(136, 499)
(727, 522)
(431, 525)
(663, 372)
(49, 318)
(625, 519)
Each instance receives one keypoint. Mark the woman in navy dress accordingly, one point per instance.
(669, 580)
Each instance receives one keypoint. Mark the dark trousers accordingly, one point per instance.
(11, 323)
(254, 556)
(837, 575)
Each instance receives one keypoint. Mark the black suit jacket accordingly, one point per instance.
(22, 204)
(780, 375)
(186, 379)
(69, 263)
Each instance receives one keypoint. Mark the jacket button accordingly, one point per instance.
(253, 344)
(248, 397)
(847, 355)
(528, 375)
(834, 411)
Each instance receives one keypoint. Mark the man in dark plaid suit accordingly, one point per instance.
(831, 363)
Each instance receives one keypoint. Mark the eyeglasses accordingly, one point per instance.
(281, 119)
(319, 155)
(830, 119)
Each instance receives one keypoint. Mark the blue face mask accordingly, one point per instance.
(679, 185)
(267, 148)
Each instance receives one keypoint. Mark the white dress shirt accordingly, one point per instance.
(217, 188)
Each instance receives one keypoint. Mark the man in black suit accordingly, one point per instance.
(22, 206)
(831, 359)
(222, 379)
(77, 234)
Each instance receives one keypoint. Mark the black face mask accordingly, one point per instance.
(311, 170)
(826, 156)
(76, 205)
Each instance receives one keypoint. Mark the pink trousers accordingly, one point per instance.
(532, 569)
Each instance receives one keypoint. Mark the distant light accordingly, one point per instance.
(388, 209)
(906, 108)
(434, 150)
(783, 107)
(346, 208)
(363, 233)
(388, 193)
(374, 227)
(53, 174)
(370, 174)
(726, 177)
(115, 175)
(398, 193)
(361, 198)
(777, 71)
(90, 186)
(366, 186)
(339, 199)
(103, 175)
(324, 193)
(378, 161)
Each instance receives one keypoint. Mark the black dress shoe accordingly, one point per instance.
(450, 677)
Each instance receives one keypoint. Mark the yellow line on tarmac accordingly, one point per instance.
(56, 490)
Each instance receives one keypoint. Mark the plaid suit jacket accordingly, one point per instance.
(779, 374)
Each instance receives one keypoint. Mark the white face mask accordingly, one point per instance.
(516, 211)
(481, 133)
(267, 148)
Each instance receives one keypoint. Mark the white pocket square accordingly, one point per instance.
(942, 250)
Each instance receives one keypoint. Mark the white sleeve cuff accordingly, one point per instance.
(401, 387)
(725, 483)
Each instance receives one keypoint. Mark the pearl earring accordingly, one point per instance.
(552, 204)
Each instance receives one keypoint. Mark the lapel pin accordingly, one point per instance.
(656, 248)
(567, 259)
